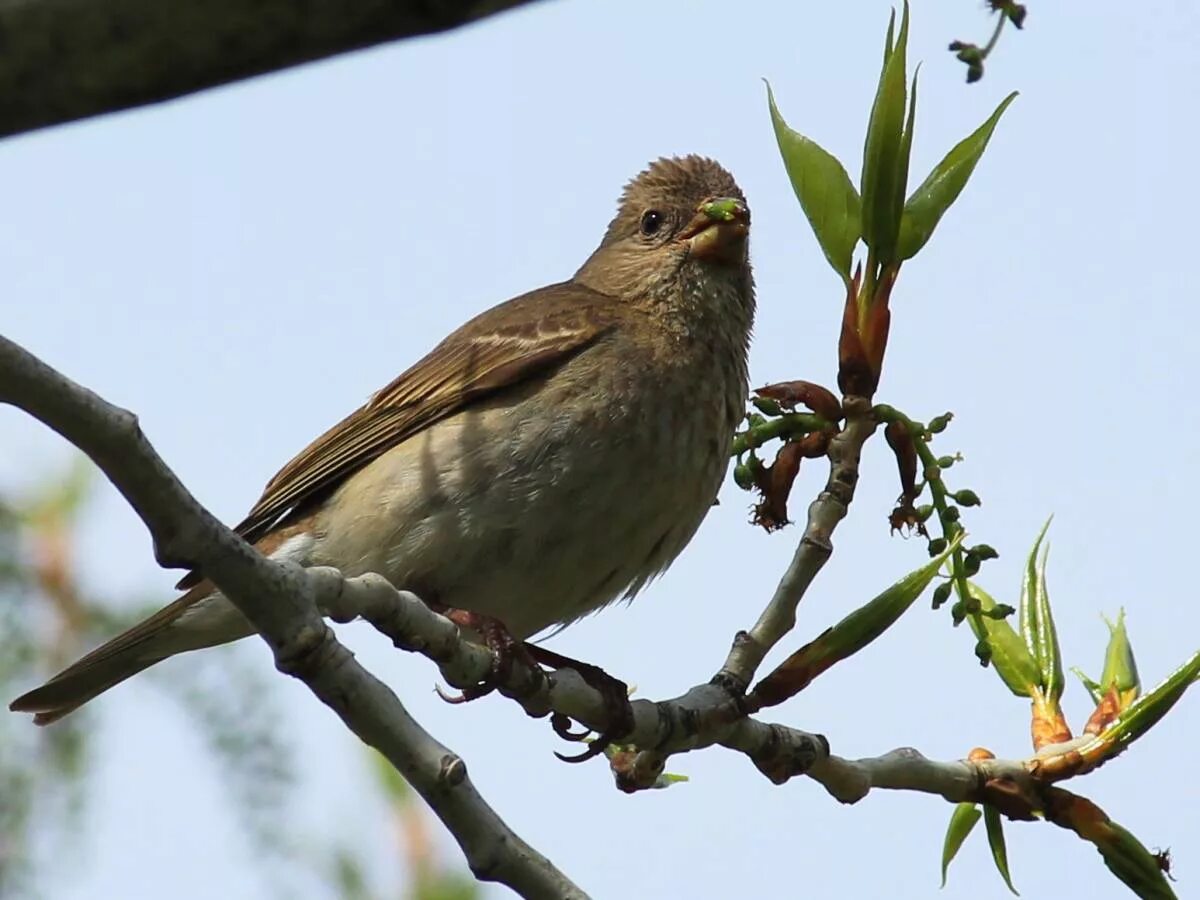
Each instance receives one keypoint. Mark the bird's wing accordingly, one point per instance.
(498, 349)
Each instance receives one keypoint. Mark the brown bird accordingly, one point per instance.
(550, 456)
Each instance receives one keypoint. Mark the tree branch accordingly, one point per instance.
(751, 647)
(706, 715)
(62, 60)
(280, 601)
(285, 602)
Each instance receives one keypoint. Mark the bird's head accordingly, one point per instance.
(682, 220)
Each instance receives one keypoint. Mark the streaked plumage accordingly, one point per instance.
(550, 456)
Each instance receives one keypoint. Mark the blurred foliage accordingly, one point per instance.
(48, 618)
(42, 622)
(429, 879)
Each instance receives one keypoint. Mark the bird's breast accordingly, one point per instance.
(552, 500)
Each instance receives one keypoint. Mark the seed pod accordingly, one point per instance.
(938, 424)
(743, 476)
(983, 652)
(767, 405)
(941, 594)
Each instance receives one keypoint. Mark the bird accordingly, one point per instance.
(549, 457)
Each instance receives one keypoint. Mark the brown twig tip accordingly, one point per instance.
(820, 400)
(792, 675)
(1008, 796)
(904, 517)
(775, 484)
(633, 771)
(1106, 710)
(854, 369)
(1047, 724)
(878, 323)
(1058, 767)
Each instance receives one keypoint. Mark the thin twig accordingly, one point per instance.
(815, 547)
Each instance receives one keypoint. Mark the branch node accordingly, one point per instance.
(452, 771)
(304, 652)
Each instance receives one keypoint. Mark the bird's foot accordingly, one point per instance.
(496, 637)
(616, 703)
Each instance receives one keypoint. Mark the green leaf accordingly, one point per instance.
(1128, 859)
(826, 194)
(1010, 658)
(962, 820)
(995, 834)
(890, 41)
(1120, 668)
(937, 193)
(848, 636)
(1093, 687)
(869, 621)
(906, 148)
(883, 167)
(1037, 621)
(1147, 709)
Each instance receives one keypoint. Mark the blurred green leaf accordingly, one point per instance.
(937, 193)
(231, 704)
(962, 820)
(448, 886)
(883, 168)
(62, 497)
(398, 791)
(1037, 620)
(348, 876)
(1009, 655)
(825, 192)
(995, 835)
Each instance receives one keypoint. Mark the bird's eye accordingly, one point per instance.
(652, 220)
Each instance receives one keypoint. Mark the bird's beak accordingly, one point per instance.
(717, 232)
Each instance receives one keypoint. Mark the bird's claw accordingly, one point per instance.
(616, 704)
(496, 637)
(561, 723)
(505, 648)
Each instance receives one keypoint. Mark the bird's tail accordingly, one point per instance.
(151, 640)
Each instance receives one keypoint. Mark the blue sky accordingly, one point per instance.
(243, 267)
